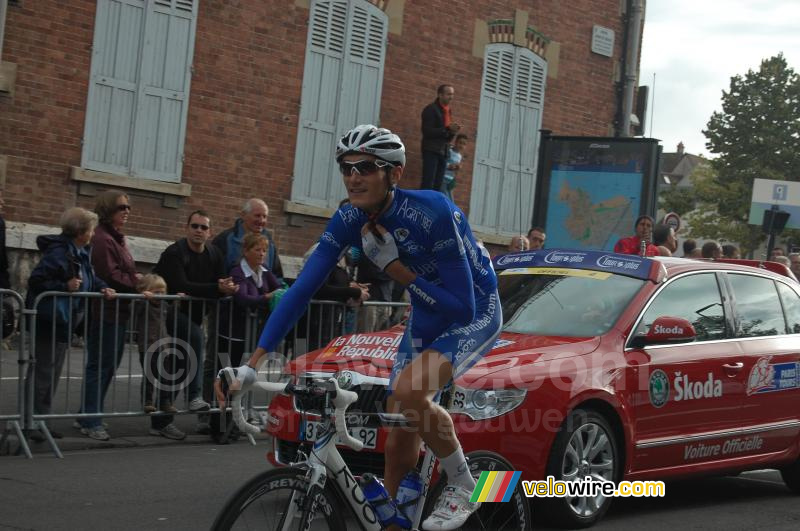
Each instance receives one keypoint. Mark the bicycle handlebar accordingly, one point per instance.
(341, 399)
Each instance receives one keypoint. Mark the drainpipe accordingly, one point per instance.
(3, 9)
(634, 31)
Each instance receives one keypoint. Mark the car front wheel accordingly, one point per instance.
(584, 446)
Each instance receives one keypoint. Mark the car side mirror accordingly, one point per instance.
(666, 330)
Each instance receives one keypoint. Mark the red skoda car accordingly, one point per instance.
(610, 366)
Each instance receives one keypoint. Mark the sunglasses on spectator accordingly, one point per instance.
(362, 167)
(123, 208)
(196, 226)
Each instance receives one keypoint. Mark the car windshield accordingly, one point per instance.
(575, 304)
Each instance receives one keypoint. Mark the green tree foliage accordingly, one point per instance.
(755, 136)
(678, 199)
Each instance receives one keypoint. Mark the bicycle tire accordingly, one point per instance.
(261, 503)
(515, 515)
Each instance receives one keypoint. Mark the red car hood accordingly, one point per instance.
(374, 353)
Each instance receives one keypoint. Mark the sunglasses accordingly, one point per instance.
(196, 226)
(123, 208)
(362, 167)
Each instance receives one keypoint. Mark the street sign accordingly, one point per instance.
(673, 220)
(783, 194)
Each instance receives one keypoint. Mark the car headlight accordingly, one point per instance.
(479, 404)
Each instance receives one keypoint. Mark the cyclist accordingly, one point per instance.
(422, 241)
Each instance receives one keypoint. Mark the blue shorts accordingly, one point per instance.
(462, 345)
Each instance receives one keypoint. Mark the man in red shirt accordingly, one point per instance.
(633, 244)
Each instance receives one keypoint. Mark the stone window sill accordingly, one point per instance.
(88, 181)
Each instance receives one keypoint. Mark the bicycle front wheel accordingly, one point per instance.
(280, 499)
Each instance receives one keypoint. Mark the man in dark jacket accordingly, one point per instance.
(437, 131)
(192, 267)
(253, 219)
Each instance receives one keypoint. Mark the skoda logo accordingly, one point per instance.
(345, 379)
(659, 388)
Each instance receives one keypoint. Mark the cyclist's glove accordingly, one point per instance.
(237, 378)
(381, 253)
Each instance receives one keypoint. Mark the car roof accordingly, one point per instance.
(654, 268)
(675, 265)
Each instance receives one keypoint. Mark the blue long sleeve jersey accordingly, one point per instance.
(434, 241)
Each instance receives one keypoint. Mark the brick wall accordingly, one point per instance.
(245, 99)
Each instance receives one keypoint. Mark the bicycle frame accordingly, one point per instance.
(325, 457)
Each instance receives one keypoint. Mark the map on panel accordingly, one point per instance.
(592, 209)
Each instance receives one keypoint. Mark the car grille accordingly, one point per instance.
(371, 400)
(359, 462)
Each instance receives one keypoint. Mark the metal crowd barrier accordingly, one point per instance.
(224, 340)
(12, 369)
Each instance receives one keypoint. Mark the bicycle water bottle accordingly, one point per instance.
(407, 497)
(383, 504)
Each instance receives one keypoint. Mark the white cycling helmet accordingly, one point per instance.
(374, 140)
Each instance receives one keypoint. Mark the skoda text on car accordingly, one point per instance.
(611, 366)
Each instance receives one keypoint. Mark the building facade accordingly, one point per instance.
(190, 104)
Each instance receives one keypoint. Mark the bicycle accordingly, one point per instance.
(302, 497)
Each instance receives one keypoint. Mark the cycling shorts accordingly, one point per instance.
(462, 345)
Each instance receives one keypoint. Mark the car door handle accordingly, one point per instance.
(734, 366)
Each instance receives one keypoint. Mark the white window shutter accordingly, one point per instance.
(490, 144)
(138, 94)
(519, 182)
(342, 85)
(507, 144)
(316, 132)
(162, 106)
(114, 79)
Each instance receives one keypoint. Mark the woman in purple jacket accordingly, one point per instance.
(257, 286)
(114, 264)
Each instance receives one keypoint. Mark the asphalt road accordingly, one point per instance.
(182, 486)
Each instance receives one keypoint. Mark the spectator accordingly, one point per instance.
(8, 320)
(689, 245)
(106, 342)
(776, 252)
(536, 237)
(253, 219)
(5, 283)
(783, 260)
(519, 243)
(711, 250)
(794, 260)
(730, 251)
(633, 244)
(438, 129)
(65, 266)
(256, 287)
(324, 322)
(151, 319)
(454, 158)
(664, 239)
(192, 267)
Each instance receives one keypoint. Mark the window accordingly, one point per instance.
(791, 308)
(342, 84)
(507, 144)
(563, 305)
(695, 298)
(139, 87)
(758, 309)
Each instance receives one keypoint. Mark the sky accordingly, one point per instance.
(694, 47)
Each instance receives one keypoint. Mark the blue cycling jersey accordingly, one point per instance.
(434, 241)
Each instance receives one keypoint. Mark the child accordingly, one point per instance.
(151, 330)
(454, 157)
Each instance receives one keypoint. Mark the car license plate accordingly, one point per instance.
(311, 430)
